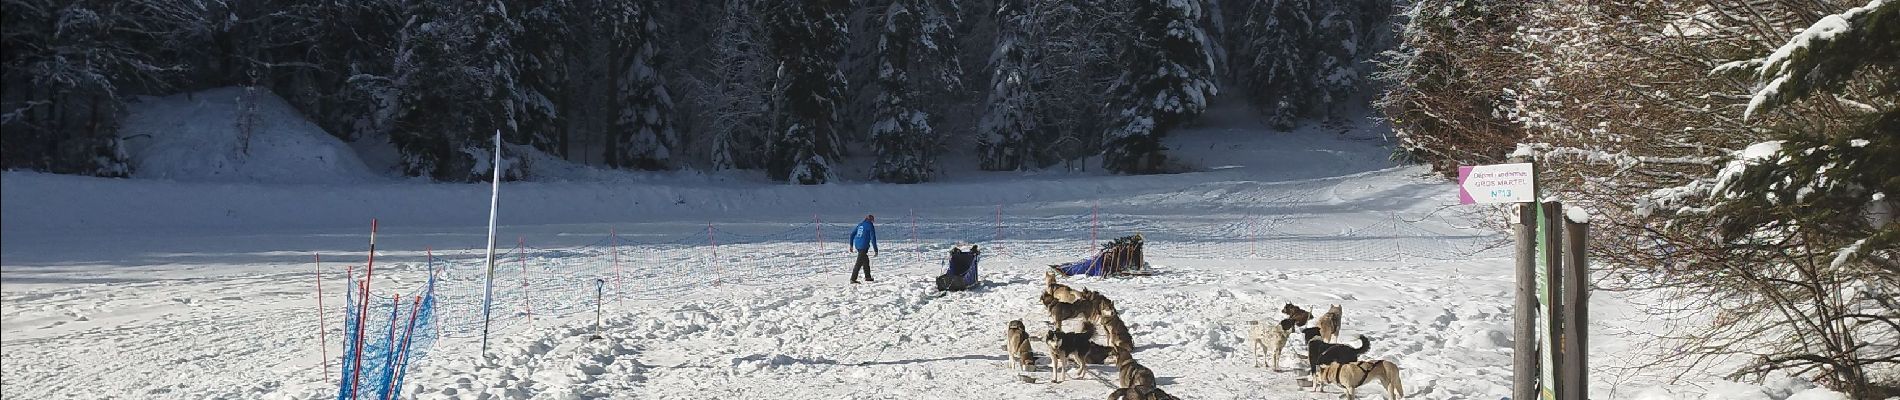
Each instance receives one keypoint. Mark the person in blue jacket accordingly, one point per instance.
(864, 241)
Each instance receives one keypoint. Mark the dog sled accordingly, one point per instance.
(1120, 257)
(960, 272)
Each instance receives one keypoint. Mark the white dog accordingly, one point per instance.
(1270, 339)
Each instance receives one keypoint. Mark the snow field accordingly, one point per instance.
(662, 264)
(197, 289)
(812, 329)
(817, 337)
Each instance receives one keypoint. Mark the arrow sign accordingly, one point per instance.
(1496, 183)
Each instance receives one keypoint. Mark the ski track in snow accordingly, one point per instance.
(766, 313)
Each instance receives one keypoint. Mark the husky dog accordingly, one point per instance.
(1069, 348)
(1103, 306)
(1140, 393)
(1117, 334)
(1062, 292)
(1270, 339)
(1352, 375)
(1319, 352)
(1061, 311)
(1016, 339)
(1297, 314)
(1329, 324)
(1098, 354)
(1131, 372)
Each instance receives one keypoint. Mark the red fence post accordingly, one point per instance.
(402, 359)
(395, 305)
(620, 282)
(363, 310)
(913, 232)
(713, 261)
(429, 251)
(1095, 223)
(521, 253)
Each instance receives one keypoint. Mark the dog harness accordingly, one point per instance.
(1365, 367)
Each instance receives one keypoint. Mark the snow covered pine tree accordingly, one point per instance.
(734, 97)
(643, 136)
(1009, 116)
(807, 37)
(1818, 206)
(68, 66)
(915, 64)
(436, 69)
(1169, 78)
(1271, 41)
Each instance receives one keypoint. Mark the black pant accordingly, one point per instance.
(864, 264)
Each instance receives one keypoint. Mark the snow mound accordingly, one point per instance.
(197, 137)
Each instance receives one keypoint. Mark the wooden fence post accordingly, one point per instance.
(1576, 283)
(1553, 302)
(1524, 315)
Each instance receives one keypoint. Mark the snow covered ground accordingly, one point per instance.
(196, 288)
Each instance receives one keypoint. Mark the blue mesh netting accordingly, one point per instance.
(398, 332)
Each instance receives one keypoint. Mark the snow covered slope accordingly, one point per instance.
(199, 137)
(188, 290)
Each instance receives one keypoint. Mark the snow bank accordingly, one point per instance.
(197, 137)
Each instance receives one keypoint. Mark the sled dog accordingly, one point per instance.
(1140, 393)
(1319, 352)
(1016, 339)
(1270, 339)
(1117, 334)
(1131, 372)
(1060, 311)
(1062, 292)
(1067, 348)
(1299, 315)
(1352, 375)
(1101, 307)
(1329, 324)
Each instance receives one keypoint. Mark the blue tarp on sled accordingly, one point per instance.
(1120, 257)
(960, 274)
(1092, 266)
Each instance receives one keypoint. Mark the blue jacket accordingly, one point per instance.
(864, 237)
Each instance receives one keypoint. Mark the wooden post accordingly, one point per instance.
(1523, 315)
(323, 340)
(1576, 371)
(1553, 305)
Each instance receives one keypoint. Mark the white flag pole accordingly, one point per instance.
(494, 203)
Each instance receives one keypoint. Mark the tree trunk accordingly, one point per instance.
(565, 124)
